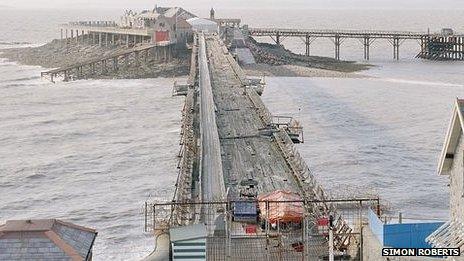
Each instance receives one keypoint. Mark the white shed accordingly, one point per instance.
(203, 25)
(188, 242)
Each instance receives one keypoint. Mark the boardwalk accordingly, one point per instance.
(239, 143)
(229, 141)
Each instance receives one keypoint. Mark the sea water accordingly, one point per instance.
(93, 151)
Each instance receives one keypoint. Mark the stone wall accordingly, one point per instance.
(457, 183)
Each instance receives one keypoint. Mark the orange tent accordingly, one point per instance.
(281, 211)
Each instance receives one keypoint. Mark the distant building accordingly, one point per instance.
(451, 164)
(45, 239)
(167, 23)
(447, 31)
(203, 25)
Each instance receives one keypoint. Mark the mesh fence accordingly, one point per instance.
(251, 234)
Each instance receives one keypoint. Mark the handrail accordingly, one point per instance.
(333, 31)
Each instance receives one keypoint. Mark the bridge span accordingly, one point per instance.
(450, 46)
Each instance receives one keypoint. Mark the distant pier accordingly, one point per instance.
(442, 47)
(439, 46)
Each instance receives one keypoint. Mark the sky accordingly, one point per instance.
(239, 4)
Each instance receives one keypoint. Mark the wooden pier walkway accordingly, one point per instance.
(228, 138)
(110, 63)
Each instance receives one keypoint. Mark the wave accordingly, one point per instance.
(21, 79)
(14, 43)
(416, 82)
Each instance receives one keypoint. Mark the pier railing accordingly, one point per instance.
(301, 239)
(332, 32)
(94, 23)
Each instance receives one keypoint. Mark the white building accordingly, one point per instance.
(451, 164)
(203, 25)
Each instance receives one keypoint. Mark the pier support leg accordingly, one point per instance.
(61, 42)
(136, 57)
(100, 39)
(106, 39)
(112, 40)
(337, 47)
(396, 48)
(127, 40)
(308, 45)
(135, 39)
(278, 38)
(367, 44)
(115, 64)
(72, 33)
(77, 37)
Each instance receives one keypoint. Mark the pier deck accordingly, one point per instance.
(229, 140)
(246, 154)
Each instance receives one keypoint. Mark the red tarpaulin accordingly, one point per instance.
(281, 211)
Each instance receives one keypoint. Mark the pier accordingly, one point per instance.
(105, 33)
(233, 150)
(110, 63)
(433, 46)
(442, 47)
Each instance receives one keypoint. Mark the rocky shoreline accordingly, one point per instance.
(272, 60)
(59, 54)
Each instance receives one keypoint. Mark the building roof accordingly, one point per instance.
(187, 232)
(454, 132)
(149, 15)
(181, 23)
(45, 239)
(200, 21)
(168, 12)
(449, 235)
(173, 11)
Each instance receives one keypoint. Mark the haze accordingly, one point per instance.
(311, 4)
